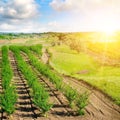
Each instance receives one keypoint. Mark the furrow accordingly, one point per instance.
(24, 106)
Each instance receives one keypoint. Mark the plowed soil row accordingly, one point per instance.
(100, 107)
(60, 109)
(25, 109)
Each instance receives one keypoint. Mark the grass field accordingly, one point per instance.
(83, 66)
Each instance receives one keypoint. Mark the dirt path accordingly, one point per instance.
(45, 56)
(100, 107)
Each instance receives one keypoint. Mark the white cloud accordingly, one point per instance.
(6, 26)
(18, 15)
(90, 14)
(85, 5)
(28, 27)
(63, 5)
(18, 9)
(73, 15)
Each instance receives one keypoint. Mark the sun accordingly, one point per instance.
(107, 36)
(109, 30)
(108, 27)
(108, 33)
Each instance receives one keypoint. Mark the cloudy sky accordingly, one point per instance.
(59, 15)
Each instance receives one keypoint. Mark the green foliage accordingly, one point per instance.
(6, 70)
(40, 96)
(82, 101)
(10, 36)
(44, 69)
(8, 100)
(68, 91)
(36, 48)
(6, 76)
(9, 96)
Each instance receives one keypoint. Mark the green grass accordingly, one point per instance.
(71, 63)
(67, 61)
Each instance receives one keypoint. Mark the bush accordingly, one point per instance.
(8, 100)
(82, 101)
(70, 93)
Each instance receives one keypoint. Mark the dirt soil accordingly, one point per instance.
(2, 42)
(100, 107)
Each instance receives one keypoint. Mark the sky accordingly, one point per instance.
(59, 15)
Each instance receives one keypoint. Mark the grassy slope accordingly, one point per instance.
(69, 62)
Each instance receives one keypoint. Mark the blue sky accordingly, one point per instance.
(59, 15)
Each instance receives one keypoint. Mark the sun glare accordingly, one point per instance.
(108, 28)
(109, 32)
(108, 35)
